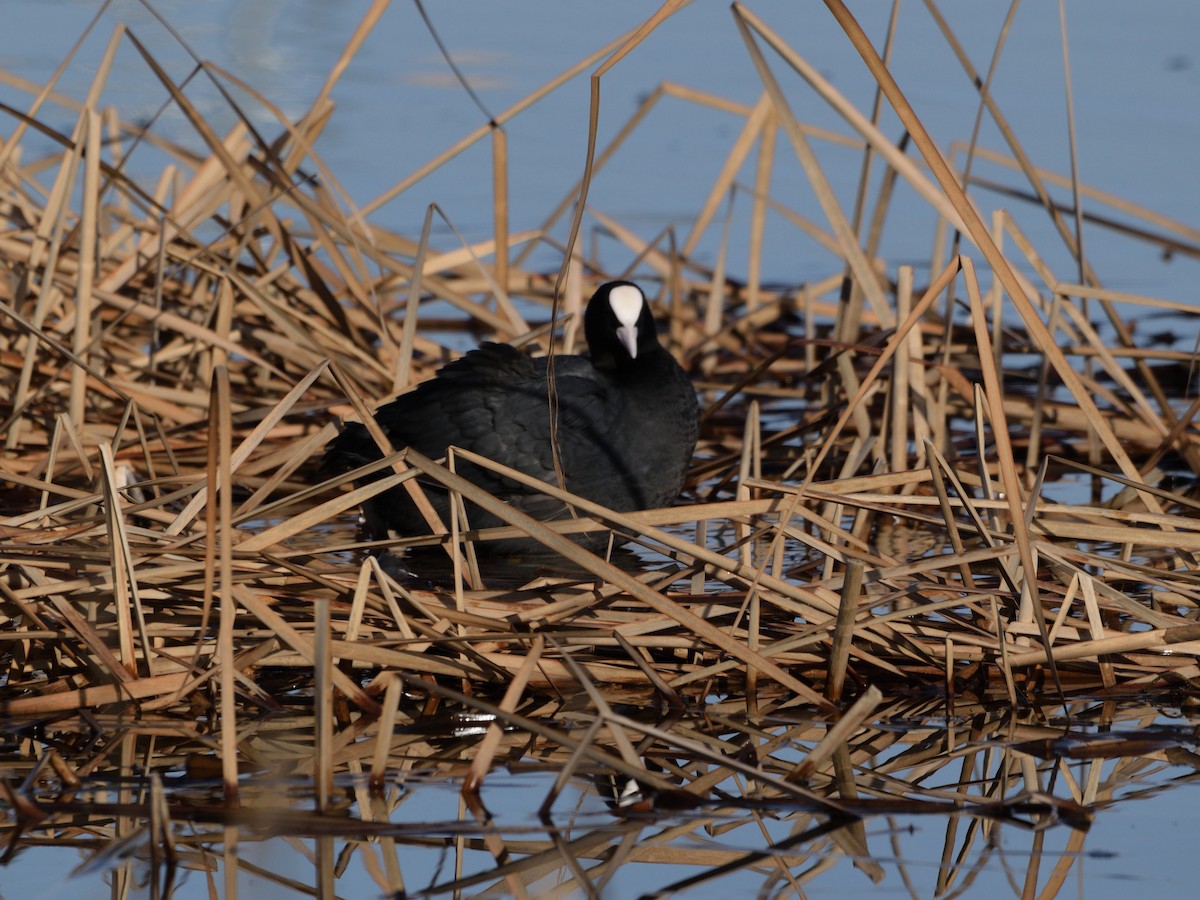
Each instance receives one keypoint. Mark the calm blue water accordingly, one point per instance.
(1135, 72)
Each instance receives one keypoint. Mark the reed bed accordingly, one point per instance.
(871, 517)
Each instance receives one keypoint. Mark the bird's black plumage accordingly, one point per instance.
(626, 421)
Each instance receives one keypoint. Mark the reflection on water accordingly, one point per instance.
(925, 798)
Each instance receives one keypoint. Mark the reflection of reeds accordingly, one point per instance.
(175, 356)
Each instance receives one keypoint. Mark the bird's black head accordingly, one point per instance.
(618, 325)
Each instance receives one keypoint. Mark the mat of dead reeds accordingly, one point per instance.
(867, 523)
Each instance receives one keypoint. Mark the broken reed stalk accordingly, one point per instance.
(219, 523)
(839, 652)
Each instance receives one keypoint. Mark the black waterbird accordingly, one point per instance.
(627, 422)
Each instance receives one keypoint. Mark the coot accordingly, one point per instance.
(626, 422)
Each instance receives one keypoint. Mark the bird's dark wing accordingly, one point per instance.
(458, 407)
(492, 401)
(475, 402)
